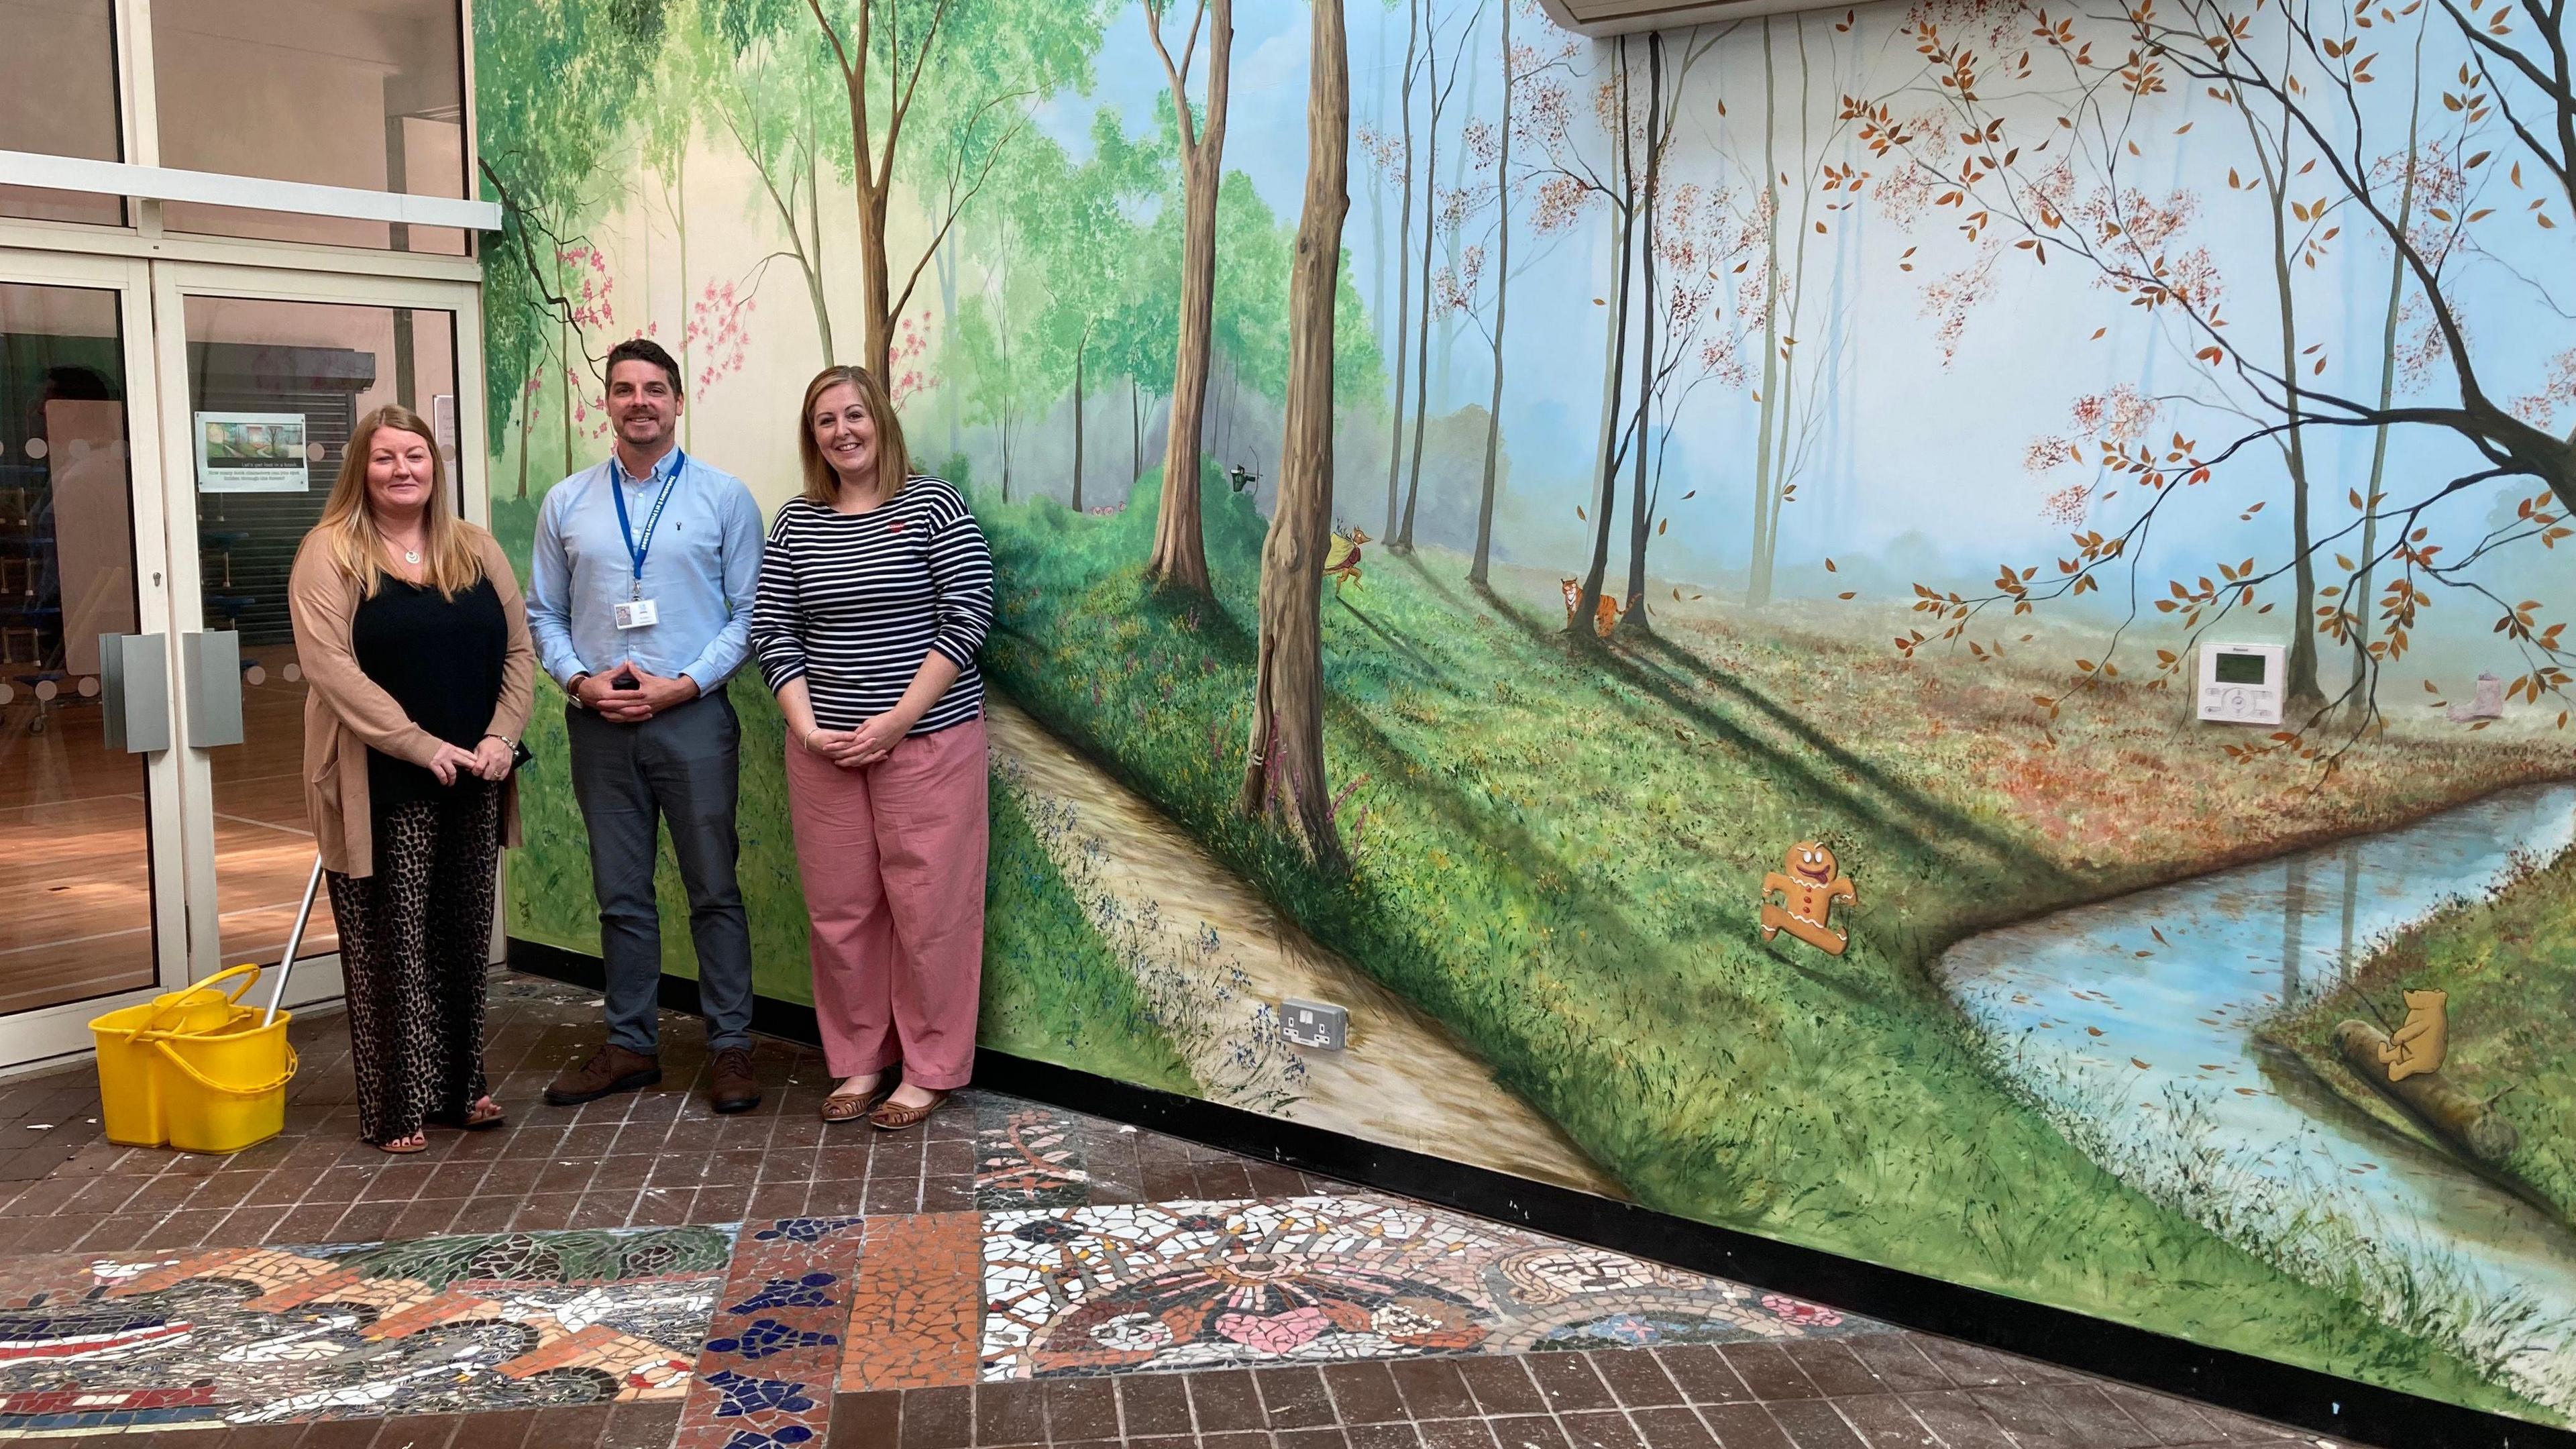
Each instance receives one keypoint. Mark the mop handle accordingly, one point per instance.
(294, 939)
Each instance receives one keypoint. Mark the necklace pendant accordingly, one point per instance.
(411, 556)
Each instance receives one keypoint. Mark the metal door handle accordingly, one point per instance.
(134, 680)
(211, 665)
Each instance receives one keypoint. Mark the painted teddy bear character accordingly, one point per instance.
(2422, 1040)
(1807, 894)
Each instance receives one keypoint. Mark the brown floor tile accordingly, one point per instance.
(1324, 1438)
(1957, 1421)
(1528, 1431)
(1294, 1398)
(1674, 1426)
(419, 1431)
(870, 1420)
(1813, 1424)
(1432, 1388)
(1456, 1434)
(1013, 1413)
(1383, 1436)
(938, 1418)
(1081, 1408)
(2096, 1421)
(1364, 1393)
(1224, 1401)
(1897, 1363)
(1768, 1371)
(1569, 1382)
(1968, 1365)
(645, 1426)
(1883, 1422)
(1635, 1378)
(1744, 1426)
(1600, 1429)
(1831, 1366)
(1501, 1384)
(1154, 1404)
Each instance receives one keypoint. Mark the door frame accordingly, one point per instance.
(314, 978)
(152, 319)
(34, 1035)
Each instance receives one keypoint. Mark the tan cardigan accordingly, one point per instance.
(346, 713)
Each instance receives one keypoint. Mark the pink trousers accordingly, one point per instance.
(892, 857)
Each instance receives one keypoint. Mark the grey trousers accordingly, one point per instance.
(682, 768)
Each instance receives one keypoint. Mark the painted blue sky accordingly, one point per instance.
(1907, 445)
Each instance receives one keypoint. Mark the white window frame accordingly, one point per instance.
(144, 184)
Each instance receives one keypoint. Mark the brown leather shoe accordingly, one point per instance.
(610, 1069)
(735, 1089)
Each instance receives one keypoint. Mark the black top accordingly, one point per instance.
(441, 660)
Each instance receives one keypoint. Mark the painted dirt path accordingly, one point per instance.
(1403, 1080)
(2135, 1024)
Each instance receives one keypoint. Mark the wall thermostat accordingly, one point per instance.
(1315, 1024)
(2241, 683)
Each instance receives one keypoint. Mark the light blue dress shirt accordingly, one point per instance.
(701, 570)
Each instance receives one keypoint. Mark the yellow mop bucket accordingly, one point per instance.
(194, 1069)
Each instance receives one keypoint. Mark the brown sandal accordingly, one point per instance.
(404, 1146)
(851, 1106)
(890, 1118)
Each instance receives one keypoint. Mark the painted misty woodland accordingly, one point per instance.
(1670, 577)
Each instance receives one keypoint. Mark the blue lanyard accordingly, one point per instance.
(617, 492)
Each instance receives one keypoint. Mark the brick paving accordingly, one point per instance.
(852, 1315)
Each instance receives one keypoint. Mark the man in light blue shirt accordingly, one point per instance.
(639, 596)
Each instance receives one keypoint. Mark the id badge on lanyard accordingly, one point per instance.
(639, 612)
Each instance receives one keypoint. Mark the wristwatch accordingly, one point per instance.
(572, 689)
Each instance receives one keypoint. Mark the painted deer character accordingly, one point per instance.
(1604, 618)
(1342, 558)
(1807, 893)
(2422, 1040)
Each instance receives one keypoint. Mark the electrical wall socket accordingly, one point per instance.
(1315, 1024)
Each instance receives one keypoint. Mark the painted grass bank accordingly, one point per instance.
(2508, 964)
(1558, 855)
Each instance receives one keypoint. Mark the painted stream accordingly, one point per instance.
(2143, 1051)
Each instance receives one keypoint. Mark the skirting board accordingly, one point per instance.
(2243, 1382)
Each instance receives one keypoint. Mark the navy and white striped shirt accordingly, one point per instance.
(851, 603)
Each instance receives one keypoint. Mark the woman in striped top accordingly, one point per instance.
(875, 593)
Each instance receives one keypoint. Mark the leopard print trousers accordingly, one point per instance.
(414, 938)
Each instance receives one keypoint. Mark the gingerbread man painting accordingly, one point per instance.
(1807, 893)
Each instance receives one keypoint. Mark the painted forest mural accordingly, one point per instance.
(1671, 575)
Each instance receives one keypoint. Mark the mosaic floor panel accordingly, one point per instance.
(1316, 1279)
(773, 1347)
(437, 1325)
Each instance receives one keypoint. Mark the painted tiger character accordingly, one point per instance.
(1604, 619)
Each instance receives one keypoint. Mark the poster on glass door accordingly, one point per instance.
(251, 453)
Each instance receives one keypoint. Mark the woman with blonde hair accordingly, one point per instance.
(414, 641)
(875, 593)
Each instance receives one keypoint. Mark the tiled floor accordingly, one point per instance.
(642, 1273)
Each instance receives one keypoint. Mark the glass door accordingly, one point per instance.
(90, 834)
(264, 377)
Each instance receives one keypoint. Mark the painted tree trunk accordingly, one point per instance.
(1285, 770)
(1477, 570)
(811, 254)
(680, 230)
(1785, 460)
(1641, 520)
(1756, 586)
(876, 286)
(2360, 600)
(1179, 559)
(1403, 279)
(1402, 541)
(1580, 626)
(1079, 349)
